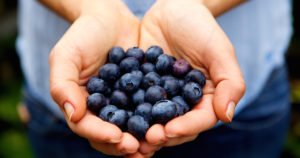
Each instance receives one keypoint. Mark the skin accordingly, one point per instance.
(98, 25)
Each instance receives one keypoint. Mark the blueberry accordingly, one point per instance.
(129, 64)
(151, 79)
(136, 53)
(116, 54)
(181, 106)
(166, 77)
(181, 67)
(171, 86)
(152, 54)
(130, 113)
(95, 102)
(138, 97)
(118, 118)
(163, 111)
(137, 126)
(138, 74)
(109, 72)
(96, 85)
(192, 93)
(196, 76)
(107, 111)
(147, 67)
(129, 82)
(164, 64)
(154, 94)
(119, 99)
(144, 110)
(181, 83)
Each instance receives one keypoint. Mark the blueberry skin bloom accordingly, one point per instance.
(148, 67)
(95, 102)
(129, 64)
(181, 106)
(109, 72)
(107, 111)
(181, 67)
(130, 82)
(151, 79)
(116, 55)
(136, 53)
(163, 111)
(119, 99)
(154, 94)
(171, 86)
(96, 85)
(196, 76)
(138, 97)
(152, 53)
(144, 110)
(192, 93)
(119, 118)
(137, 126)
(164, 64)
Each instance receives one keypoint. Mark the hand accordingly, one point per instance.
(186, 29)
(77, 56)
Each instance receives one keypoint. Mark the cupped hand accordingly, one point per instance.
(187, 29)
(77, 56)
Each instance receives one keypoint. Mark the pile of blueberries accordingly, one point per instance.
(137, 89)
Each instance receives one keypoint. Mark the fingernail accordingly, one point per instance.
(69, 110)
(230, 110)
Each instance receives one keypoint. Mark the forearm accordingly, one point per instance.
(218, 7)
(68, 9)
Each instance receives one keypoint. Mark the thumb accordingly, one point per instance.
(64, 85)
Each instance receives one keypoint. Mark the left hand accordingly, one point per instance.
(187, 29)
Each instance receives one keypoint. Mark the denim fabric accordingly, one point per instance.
(254, 132)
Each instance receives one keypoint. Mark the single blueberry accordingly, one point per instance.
(119, 118)
(116, 54)
(164, 64)
(109, 72)
(138, 97)
(95, 102)
(129, 82)
(129, 64)
(171, 86)
(163, 111)
(181, 67)
(138, 74)
(166, 77)
(151, 79)
(192, 93)
(96, 85)
(119, 99)
(154, 94)
(196, 76)
(107, 111)
(148, 67)
(137, 126)
(152, 53)
(136, 53)
(144, 110)
(181, 106)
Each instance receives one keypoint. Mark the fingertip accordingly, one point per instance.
(128, 144)
(156, 135)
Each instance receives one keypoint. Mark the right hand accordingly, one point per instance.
(77, 56)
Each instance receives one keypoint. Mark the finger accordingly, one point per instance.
(180, 140)
(200, 118)
(137, 155)
(108, 149)
(146, 148)
(96, 130)
(156, 135)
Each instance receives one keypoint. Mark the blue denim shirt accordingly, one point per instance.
(259, 30)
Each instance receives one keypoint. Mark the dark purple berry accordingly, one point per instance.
(116, 55)
(164, 64)
(119, 99)
(192, 93)
(138, 97)
(136, 53)
(144, 110)
(129, 64)
(152, 54)
(181, 67)
(163, 111)
(107, 111)
(154, 94)
(109, 72)
(151, 79)
(95, 102)
(148, 67)
(96, 85)
(196, 76)
(129, 82)
(137, 126)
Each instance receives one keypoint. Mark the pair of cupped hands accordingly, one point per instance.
(184, 29)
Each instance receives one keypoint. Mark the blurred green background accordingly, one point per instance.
(13, 139)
